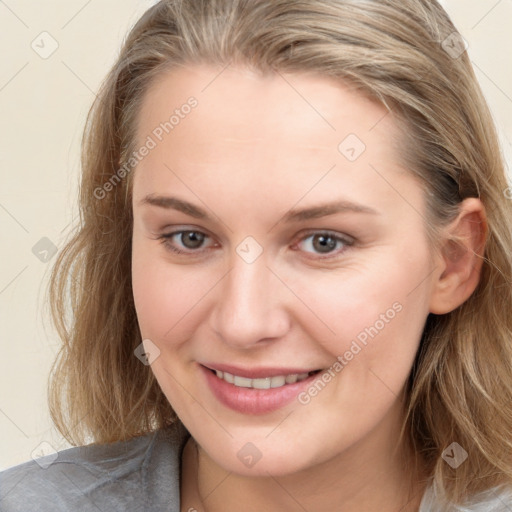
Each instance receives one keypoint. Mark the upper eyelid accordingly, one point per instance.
(307, 232)
(167, 234)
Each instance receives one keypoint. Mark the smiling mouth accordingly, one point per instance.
(277, 381)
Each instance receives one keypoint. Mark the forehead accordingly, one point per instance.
(261, 132)
(237, 103)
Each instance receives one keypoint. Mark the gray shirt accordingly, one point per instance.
(141, 474)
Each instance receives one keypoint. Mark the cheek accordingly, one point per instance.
(372, 316)
(167, 297)
(151, 294)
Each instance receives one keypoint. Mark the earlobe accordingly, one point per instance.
(460, 258)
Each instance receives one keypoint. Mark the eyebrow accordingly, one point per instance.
(313, 212)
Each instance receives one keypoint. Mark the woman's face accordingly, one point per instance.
(302, 249)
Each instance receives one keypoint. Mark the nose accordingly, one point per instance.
(250, 305)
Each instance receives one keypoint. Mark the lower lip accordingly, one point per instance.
(251, 400)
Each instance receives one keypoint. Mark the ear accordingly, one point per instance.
(459, 262)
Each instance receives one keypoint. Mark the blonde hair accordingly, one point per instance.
(460, 387)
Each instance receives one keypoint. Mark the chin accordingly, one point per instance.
(260, 457)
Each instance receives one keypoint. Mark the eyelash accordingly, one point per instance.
(165, 239)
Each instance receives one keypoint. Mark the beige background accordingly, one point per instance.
(43, 103)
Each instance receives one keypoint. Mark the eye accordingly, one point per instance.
(325, 243)
(183, 242)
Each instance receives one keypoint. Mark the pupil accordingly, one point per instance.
(192, 239)
(326, 243)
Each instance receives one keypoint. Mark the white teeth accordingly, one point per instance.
(242, 382)
(291, 379)
(263, 383)
(277, 382)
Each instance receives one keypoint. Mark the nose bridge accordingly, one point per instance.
(250, 306)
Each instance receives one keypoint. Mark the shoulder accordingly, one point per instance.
(141, 474)
(497, 499)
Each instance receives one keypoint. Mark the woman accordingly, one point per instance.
(291, 283)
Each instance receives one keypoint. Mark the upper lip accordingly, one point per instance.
(257, 373)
